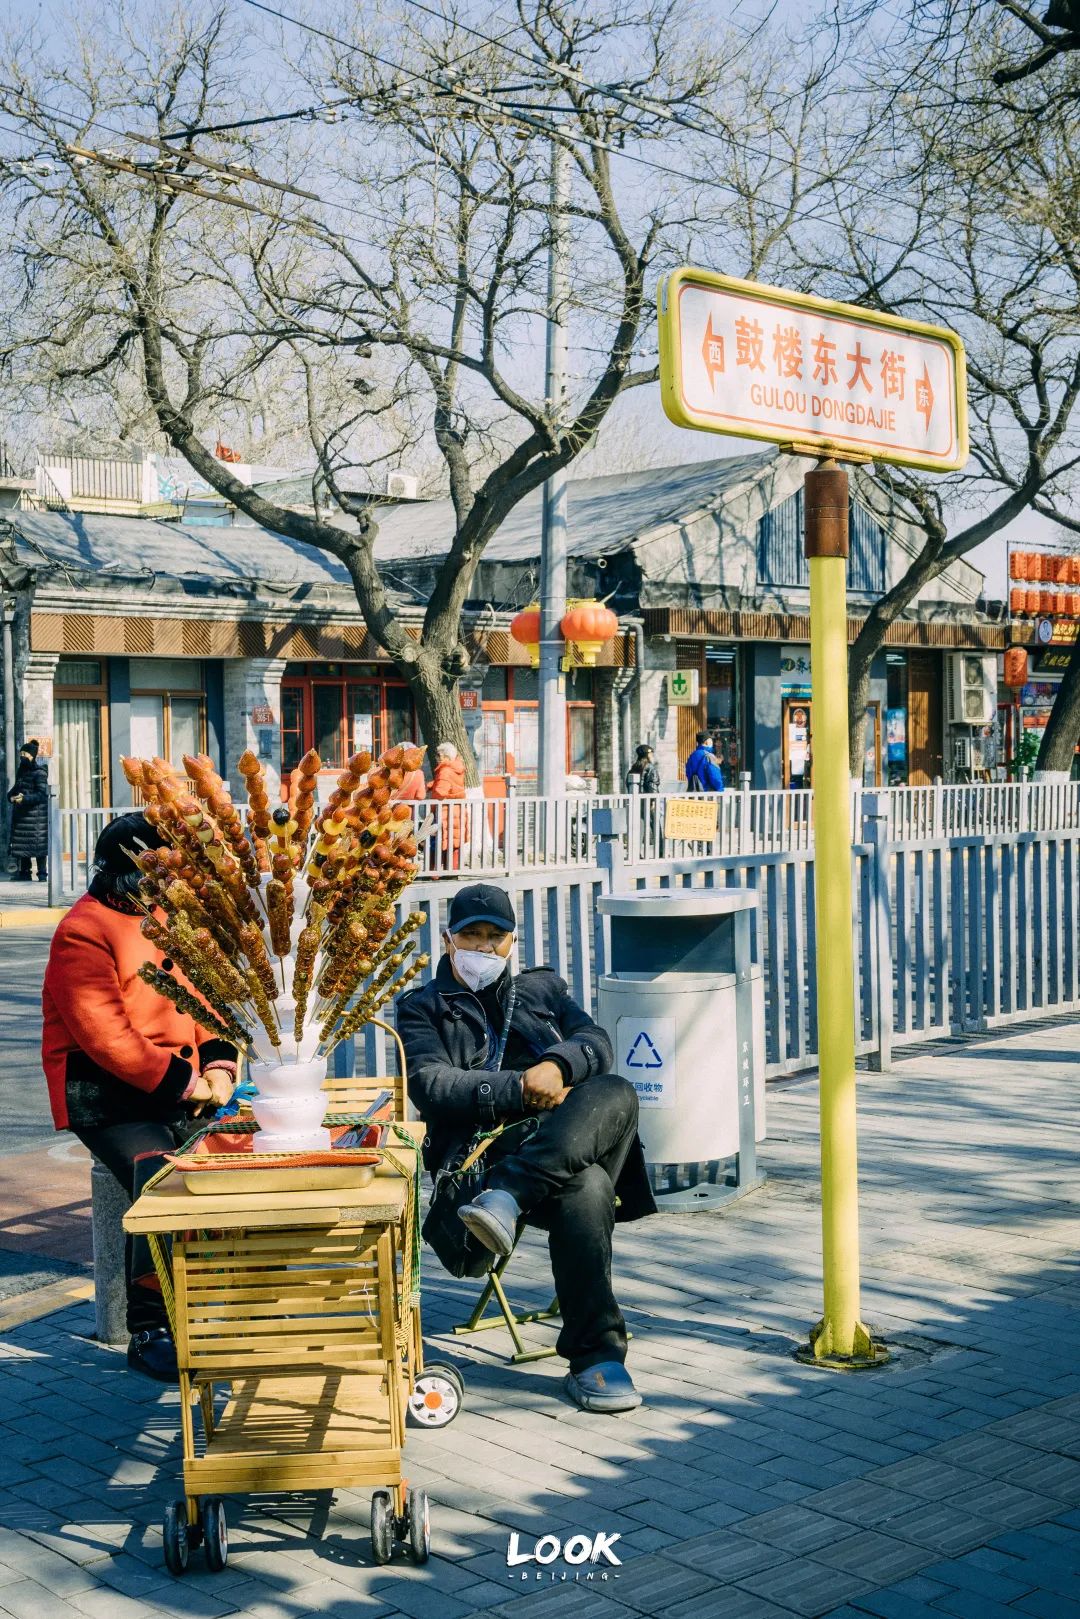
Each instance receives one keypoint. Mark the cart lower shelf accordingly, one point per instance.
(330, 1430)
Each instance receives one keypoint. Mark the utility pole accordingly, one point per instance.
(552, 762)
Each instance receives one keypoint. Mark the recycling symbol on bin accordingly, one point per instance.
(643, 1054)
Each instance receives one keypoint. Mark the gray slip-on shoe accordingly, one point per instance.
(493, 1218)
(607, 1386)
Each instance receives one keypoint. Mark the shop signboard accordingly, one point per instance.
(795, 671)
(809, 374)
(683, 688)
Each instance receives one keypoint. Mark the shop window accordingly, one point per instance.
(581, 733)
(722, 708)
(781, 555)
(292, 726)
(495, 689)
(896, 719)
(491, 743)
(400, 724)
(364, 720)
(526, 685)
(526, 744)
(78, 672)
(165, 724)
(326, 704)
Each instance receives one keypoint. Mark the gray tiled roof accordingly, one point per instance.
(605, 514)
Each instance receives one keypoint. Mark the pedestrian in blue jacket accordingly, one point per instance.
(703, 773)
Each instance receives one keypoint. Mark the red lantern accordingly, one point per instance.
(1017, 601)
(590, 626)
(1016, 667)
(525, 629)
(1019, 568)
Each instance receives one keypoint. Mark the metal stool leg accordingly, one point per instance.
(506, 1316)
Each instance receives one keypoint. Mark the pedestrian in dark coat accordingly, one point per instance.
(485, 1047)
(29, 800)
(643, 775)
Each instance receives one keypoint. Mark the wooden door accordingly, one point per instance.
(689, 721)
(924, 718)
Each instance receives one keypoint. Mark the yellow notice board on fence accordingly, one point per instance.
(691, 818)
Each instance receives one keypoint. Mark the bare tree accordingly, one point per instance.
(974, 226)
(406, 309)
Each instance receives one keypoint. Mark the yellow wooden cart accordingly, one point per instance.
(305, 1305)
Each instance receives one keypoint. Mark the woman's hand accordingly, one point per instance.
(199, 1094)
(221, 1083)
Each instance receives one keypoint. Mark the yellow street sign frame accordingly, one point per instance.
(804, 442)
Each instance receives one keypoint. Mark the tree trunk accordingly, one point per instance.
(858, 698)
(1063, 731)
(439, 715)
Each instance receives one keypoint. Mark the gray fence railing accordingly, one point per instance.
(955, 932)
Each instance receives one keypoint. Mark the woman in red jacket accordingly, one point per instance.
(126, 1070)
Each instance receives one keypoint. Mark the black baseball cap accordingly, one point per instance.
(481, 902)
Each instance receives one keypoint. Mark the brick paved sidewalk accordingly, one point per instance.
(747, 1485)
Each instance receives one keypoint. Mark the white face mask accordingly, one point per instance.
(478, 969)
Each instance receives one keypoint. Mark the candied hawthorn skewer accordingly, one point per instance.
(258, 814)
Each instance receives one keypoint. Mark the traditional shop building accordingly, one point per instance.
(137, 634)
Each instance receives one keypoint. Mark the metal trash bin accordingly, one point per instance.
(683, 1006)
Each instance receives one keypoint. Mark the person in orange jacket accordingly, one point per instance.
(413, 789)
(126, 1070)
(448, 782)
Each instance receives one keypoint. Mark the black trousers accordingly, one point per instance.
(42, 867)
(118, 1146)
(563, 1178)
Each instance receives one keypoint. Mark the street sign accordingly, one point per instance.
(683, 688)
(810, 374)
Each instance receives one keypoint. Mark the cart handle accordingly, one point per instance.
(390, 1030)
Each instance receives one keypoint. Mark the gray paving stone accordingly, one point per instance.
(1047, 1605)
(991, 1455)
(1006, 1504)
(1046, 1474)
(925, 1476)
(26, 1599)
(726, 1602)
(881, 1559)
(725, 1555)
(105, 1604)
(943, 1527)
(652, 1584)
(795, 1529)
(562, 1602)
(805, 1586)
(866, 1503)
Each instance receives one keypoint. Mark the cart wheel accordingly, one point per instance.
(437, 1397)
(216, 1533)
(419, 1521)
(382, 1526)
(174, 1534)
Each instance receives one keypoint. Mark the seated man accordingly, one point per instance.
(485, 1047)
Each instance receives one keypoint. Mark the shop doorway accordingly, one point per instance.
(924, 718)
(796, 727)
(338, 715)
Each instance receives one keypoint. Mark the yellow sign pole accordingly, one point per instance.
(839, 1339)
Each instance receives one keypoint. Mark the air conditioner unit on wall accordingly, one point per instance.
(401, 486)
(972, 688)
